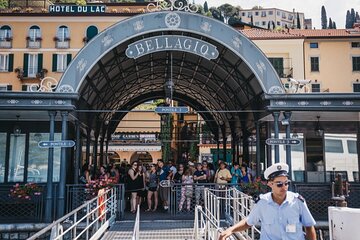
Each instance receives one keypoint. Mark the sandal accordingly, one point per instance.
(154, 210)
(148, 210)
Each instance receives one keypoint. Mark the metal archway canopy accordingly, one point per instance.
(213, 66)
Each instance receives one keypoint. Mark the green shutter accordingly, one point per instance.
(40, 62)
(24, 87)
(9, 87)
(91, 32)
(26, 64)
(54, 63)
(68, 58)
(11, 63)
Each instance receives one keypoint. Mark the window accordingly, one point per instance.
(256, 13)
(34, 33)
(314, 45)
(5, 87)
(243, 14)
(6, 62)
(278, 64)
(2, 156)
(63, 33)
(271, 12)
(314, 64)
(356, 63)
(263, 23)
(290, 17)
(356, 87)
(355, 44)
(5, 33)
(263, 13)
(315, 87)
(278, 23)
(278, 13)
(249, 14)
(334, 146)
(283, 15)
(60, 62)
(91, 32)
(352, 146)
(38, 165)
(33, 64)
(16, 158)
(257, 23)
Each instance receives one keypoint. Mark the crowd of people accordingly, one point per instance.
(148, 183)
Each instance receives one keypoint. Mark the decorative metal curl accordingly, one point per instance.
(47, 84)
(172, 5)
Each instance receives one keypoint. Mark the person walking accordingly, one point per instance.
(281, 213)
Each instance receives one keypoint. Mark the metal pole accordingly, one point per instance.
(49, 183)
(78, 153)
(276, 135)
(258, 147)
(287, 115)
(62, 182)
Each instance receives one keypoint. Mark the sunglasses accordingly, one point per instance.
(281, 184)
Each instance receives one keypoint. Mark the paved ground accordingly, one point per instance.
(152, 229)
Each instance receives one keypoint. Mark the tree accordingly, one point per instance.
(352, 17)
(268, 25)
(228, 10)
(298, 21)
(252, 20)
(330, 23)
(334, 25)
(273, 25)
(357, 17)
(206, 7)
(348, 20)
(3, 3)
(323, 18)
(257, 8)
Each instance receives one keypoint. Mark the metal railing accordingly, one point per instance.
(88, 221)
(5, 44)
(33, 44)
(13, 210)
(227, 203)
(77, 194)
(136, 231)
(62, 44)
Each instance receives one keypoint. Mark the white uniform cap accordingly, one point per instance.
(275, 170)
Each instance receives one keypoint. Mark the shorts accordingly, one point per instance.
(152, 189)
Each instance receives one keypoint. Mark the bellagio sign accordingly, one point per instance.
(172, 43)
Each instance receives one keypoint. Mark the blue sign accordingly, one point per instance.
(286, 141)
(171, 109)
(77, 9)
(56, 144)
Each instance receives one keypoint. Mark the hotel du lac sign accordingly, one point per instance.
(77, 9)
(172, 42)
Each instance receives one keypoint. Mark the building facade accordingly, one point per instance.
(272, 18)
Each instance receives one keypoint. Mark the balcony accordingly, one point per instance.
(33, 43)
(31, 73)
(4, 43)
(62, 44)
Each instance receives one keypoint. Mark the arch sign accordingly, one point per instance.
(157, 23)
(174, 43)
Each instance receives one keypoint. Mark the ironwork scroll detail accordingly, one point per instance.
(172, 5)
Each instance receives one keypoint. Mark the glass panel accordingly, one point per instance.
(341, 154)
(352, 146)
(334, 146)
(38, 158)
(2, 156)
(33, 65)
(61, 62)
(17, 157)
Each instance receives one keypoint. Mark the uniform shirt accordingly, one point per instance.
(281, 222)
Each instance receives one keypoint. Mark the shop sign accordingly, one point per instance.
(77, 9)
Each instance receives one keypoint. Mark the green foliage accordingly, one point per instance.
(330, 23)
(298, 21)
(228, 10)
(166, 132)
(257, 8)
(4, 3)
(348, 23)
(334, 25)
(323, 18)
(206, 7)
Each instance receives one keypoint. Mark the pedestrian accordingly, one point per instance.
(200, 179)
(164, 174)
(281, 213)
(152, 180)
(186, 190)
(222, 176)
(236, 175)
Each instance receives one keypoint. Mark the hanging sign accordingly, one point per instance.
(286, 141)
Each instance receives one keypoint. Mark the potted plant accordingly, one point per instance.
(94, 186)
(56, 39)
(254, 188)
(67, 39)
(25, 192)
(29, 10)
(38, 38)
(8, 39)
(85, 39)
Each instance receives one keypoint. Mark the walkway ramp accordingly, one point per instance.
(155, 229)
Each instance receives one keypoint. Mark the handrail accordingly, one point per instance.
(136, 231)
(95, 214)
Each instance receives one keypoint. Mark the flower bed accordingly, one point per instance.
(26, 191)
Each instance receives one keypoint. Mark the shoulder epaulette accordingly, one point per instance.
(301, 198)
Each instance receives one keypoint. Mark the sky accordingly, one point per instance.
(336, 9)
